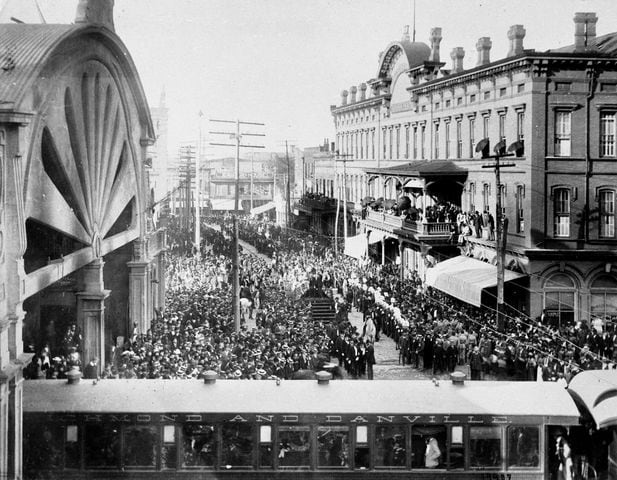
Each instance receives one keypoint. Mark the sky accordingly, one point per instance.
(284, 62)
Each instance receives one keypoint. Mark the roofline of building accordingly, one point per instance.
(369, 102)
(524, 59)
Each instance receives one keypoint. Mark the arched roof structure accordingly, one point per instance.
(88, 124)
(415, 53)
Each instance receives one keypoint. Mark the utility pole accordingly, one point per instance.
(340, 157)
(197, 192)
(287, 184)
(252, 175)
(501, 227)
(288, 189)
(237, 136)
(186, 153)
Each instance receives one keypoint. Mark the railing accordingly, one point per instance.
(430, 228)
(385, 218)
(319, 204)
(417, 227)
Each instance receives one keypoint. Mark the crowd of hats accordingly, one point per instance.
(436, 332)
(195, 331)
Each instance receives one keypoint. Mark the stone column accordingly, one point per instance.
(138, 295)
(91, 313)
(383, 251)
(161, 281)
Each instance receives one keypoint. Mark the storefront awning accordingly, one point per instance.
(263, 208)
(376, 236)
(597, 391)
(356, 247)
(465, 278)
(223, 204)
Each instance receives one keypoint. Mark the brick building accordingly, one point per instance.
(413, 130)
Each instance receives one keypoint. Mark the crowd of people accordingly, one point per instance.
(195, 332)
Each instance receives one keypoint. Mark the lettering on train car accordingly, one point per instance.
(359, 419)
(144, 418)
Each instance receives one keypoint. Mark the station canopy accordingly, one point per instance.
(465, 278)
(597, 391)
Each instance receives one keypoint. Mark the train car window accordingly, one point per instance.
(456, 458)
(265, 446)
(140, 444)
(72, 453)
(294, 447)
(237, 445)
(169, 451)
(42, 447)
(362, 452)
(198, 445)
(333, 445)
(523, 446)
(428, 445)
(485, 447)
(390, 446)
(102, 445)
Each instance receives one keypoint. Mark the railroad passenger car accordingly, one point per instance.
(228, 429)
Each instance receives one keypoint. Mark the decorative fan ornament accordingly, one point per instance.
(89, 177)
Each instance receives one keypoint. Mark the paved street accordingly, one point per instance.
(386, 355)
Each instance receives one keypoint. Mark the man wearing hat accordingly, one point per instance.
(475, 364)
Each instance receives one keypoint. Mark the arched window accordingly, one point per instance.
(559, 300)
(603, 301)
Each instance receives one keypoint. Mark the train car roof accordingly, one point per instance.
(303, 396)
(597, 391)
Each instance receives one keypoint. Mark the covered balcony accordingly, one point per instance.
(424, 199)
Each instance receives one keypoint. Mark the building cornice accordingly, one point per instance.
(370, 102)
(524, 61)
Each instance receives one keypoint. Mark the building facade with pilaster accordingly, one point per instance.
(77, 246)
(413, 131)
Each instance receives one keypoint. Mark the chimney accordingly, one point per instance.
(435, 39)
(516, 35)
(96, 12)
(584, 31)
(353, 90)
(457, 56)
(362, 91)
(405, 34)
(484, 51)
(344, 94)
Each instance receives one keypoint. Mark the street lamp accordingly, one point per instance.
(501, 227)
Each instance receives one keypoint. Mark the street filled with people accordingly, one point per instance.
(278, 337)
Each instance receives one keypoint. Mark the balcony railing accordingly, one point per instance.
(430, 228)
(325, 203)
(417, 227)
(385, 218)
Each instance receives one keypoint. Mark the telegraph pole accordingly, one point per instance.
(252, 175)
(237, 136)
(340, 157)
(501, 227)
(288, 184)
(288, 189)
(197, 193)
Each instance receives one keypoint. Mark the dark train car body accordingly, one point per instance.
(296, 429)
